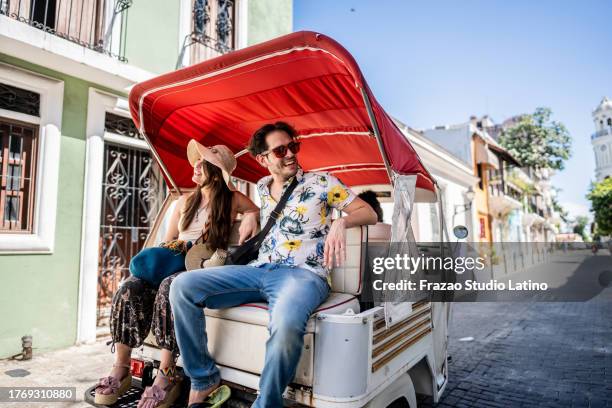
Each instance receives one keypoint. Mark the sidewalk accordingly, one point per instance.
(76, 366)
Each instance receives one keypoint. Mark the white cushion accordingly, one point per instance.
(257, 313)
(348, 278)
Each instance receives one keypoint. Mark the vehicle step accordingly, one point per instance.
(129, 399)
(132, 396)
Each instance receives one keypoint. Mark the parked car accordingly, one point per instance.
(356, 352)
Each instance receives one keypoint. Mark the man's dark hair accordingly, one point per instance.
(258, 145)
(370, 197)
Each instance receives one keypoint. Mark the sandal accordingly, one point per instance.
(215, 399)
(163, 397)
(118, 388)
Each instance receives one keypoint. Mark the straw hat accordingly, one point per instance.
(219, 155)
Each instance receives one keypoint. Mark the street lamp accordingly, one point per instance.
(469, 197)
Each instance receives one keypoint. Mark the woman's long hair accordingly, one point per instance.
(219, 224)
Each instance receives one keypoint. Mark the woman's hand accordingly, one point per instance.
(248, 226)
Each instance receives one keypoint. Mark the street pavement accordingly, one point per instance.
(538, 354)
(77, 366)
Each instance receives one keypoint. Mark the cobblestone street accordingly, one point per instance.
(502, 355)
(531, 354)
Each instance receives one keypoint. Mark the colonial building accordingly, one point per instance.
(513, 203)
(602, 139)
(495, 196)
(79, 188)
(538, 217)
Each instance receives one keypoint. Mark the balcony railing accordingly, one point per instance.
(601, 133)
(534, 209)
(499, 188)
(100, 25)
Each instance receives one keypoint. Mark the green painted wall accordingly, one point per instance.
(39, 293)
(152, 40)
(269, 19)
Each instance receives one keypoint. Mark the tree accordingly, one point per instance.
(601, 203)
(537, 141)
(580, 226)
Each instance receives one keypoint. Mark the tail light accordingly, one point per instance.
(137, 367)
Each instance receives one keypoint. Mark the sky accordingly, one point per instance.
(436, 63)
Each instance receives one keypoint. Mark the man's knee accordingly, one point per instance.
(190, 287)
(288, 328)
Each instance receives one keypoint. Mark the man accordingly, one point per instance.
(291, 272)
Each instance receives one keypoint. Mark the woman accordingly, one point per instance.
(208, 212)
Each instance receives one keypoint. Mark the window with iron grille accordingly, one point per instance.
(18, 146)
(19, 100)
(212, 31)
(121, 125)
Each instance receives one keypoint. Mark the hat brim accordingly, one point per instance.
(228, 180)
(196, 151)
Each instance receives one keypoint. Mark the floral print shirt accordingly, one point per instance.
(298, 236)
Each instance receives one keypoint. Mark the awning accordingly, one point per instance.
(484, 155)
(304, 78)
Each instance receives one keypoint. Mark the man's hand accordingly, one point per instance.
(248, 226)
(335, 244)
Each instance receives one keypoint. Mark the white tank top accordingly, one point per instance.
(195, 228)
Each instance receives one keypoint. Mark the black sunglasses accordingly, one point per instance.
(281, 151)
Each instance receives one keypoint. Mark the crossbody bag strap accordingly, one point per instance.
(276, 212)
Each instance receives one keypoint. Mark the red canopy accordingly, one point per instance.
(305, 79)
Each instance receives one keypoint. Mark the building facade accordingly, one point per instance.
(512, 203)
(456, 183)
(478, 150)
(540, 221)
(602, 139)
(79, 188)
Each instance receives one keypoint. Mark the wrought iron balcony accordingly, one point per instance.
(100, 25)
(212, 32)
(499, 188)
(601, 133)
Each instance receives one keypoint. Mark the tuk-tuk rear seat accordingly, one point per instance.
(346, 286)
(257, 313)
(237, 335)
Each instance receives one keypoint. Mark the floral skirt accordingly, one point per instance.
(139, 307)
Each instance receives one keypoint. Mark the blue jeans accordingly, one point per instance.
(292, 295)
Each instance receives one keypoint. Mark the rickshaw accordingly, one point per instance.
(356, 352)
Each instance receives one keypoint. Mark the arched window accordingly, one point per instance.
(609, 121)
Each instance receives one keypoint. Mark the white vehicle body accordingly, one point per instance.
(351, 357)
(356, 352)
